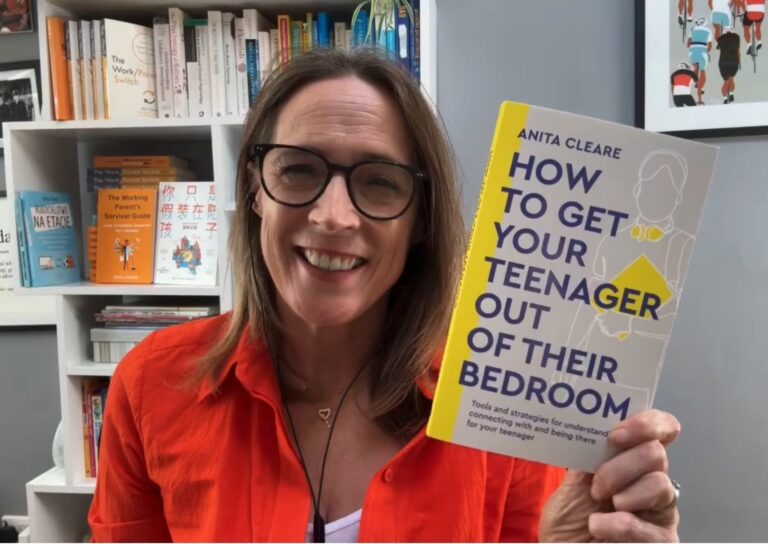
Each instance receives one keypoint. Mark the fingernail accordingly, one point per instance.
(619, 436)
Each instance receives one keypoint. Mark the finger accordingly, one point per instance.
(627, 527)
(617, 473)
(652, 491)
(645, 426)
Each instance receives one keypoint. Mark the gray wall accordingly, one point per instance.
(29, 390)
(579, 57)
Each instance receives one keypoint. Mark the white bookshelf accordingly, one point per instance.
(53, 156)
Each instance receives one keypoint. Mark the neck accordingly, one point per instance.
(318, 363)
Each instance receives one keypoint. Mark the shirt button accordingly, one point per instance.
(388, 475)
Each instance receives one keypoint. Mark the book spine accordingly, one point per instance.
(295, 38)
(308, 33)
(323, 29)
(97, 76)
(349, 36)
(340, 36)
(265, 54)
(96, 409)
(151, 171)
(203, 47)
(104, 73)
(274, 44)
(284, 29)
(85, 405)
(216, 63)
(242, 74)
(230, 64)
(192, 71)
(252, 68)
(178, 61)
(416, 41)
(86, 69)
(139, 161)
(57, 58)
(391, 34)
(403, 38)
(359, 30)
(315, 35)
(162, 38)
(73, 58)
(21, 240)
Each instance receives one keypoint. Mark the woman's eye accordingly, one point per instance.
(381, 183)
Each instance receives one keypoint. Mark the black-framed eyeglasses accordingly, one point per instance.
(296, 176)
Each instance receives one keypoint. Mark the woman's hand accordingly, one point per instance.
(629, 499)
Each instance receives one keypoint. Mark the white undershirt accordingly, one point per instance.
(344, 529)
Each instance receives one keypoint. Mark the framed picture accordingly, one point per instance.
(16, 16)
(15, 310)
(701, 67)
(19, 91)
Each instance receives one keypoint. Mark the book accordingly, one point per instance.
(103, 71)
(86, 69)
(241, 76)
(125, 238)
(129, 90)
(296, 38)
(340, 35)
(88, 457)
(254, 25)
(284, 38)
(139, 161)
(230, 63)
(182, 174)
(97, 67)
(57, 59)
(323, 30)
(8, 237)
(416, 40)
(252, 68)
(176, 19)
(403, 32)
(198, 73)
(575, 267)
(75, 76)
(265, 54)
(48, 242)
(186, 251)
(216, 63)
(163, 82)
(21, 240)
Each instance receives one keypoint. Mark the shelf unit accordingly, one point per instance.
(53, 156)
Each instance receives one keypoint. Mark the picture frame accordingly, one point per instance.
(16, 17)
(662, 44)
(19, 92)
(18, 311)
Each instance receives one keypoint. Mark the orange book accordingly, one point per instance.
(85, 403)
(125, 239)
(139, 161)
(57, 59)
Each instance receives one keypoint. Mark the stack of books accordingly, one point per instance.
(94, 399)
(213, 66)
(114, 172)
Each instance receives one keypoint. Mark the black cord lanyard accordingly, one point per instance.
(318, 523)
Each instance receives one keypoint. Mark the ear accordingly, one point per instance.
(255, 198)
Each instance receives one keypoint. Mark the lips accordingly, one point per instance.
(331, 261)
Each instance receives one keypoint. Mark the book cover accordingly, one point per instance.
(86, 69)
(125, 239)
(73, 60)
(130, 82)
(49, 238)
(97, 76)
(187, 234)
(572, 278)
(162, 39)
(216, 63)
(176, 18)
(57, 59)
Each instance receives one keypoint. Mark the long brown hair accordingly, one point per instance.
(420, 301)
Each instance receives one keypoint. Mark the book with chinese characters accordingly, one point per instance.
(186, 250)
(574, 271)
(47, 241)
(125, 235)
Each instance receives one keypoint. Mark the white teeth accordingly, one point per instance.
(327, 262)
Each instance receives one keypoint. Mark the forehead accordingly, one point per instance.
(347, 120)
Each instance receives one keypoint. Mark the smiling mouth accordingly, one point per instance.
(330, 262)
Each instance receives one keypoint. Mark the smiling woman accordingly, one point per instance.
(300, 415)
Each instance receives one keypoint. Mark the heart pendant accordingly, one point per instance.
(325, 415)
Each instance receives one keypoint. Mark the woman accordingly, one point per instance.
(303, 416)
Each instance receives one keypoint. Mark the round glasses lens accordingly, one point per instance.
(380, 189)
(293, 176)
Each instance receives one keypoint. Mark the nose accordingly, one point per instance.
(334, 211)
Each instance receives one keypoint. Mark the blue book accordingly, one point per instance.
(403, 32)
(21, 240)
(315, 37)
(391, 34)
(324, 29)
(252, 68)
(415, 40)
(50, 238)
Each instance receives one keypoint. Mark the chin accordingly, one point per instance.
(328, 314)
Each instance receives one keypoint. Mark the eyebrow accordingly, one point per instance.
(366, 156)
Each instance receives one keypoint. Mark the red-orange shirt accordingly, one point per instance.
(199, 465)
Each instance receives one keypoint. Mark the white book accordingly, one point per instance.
(203, 47)
(274, 44)
(255, 24)
(216, 64)
(186, 248)
(265, 54)
(103, 87)
(97, 69)
(130, 83)
(176, 19)
(350, 36)
(230, 63)
(339, 35)
(241, 78)
(162, 38)
(75, 68)
(86, 69)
